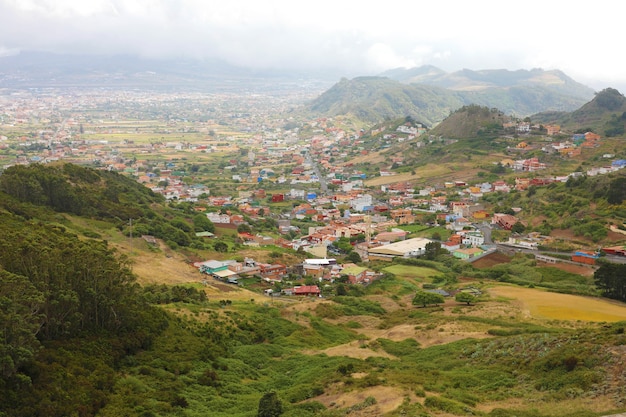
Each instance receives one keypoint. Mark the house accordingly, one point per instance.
(305, 290)
(356, 274)
(272, 272)
(552, 130)
(219, 270)
(473, 239)
(218, 218)
(505, 221)
(468, 253)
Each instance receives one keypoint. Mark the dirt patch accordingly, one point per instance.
(159, 268)
(387, 399)
(583, 270)
(565, 234)
(492, 259)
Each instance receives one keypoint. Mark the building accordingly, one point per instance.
(305, 290)
(505, 221)
(468, 253)
(473, 239)
(409, 248)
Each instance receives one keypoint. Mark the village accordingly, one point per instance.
(294, 176)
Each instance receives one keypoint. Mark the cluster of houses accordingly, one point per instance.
(322, 270)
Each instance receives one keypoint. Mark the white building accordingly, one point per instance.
(473, 239)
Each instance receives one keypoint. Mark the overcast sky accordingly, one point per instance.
(357, 37)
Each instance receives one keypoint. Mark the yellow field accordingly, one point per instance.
(547, 305)
(427, 171)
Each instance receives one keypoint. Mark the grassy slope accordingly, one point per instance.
(449, 338)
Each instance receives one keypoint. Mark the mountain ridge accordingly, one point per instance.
(520, 93)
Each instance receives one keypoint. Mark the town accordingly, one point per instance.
(240, 160)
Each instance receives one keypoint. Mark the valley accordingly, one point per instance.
(351, 267)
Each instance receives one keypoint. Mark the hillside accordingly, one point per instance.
(604, 114)
(430, 95)
(470, 122)
(378, 98)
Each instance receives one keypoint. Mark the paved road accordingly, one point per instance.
(513, 249)
(316, 169)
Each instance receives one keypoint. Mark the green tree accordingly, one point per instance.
(431, 250)
(464, 297)
(609, 278)
(341, 290)
(201, 223)
(270, 405)
(354, 257)
(425, 298)
(244, 228)
(20, 320)
(220, 247)
(518, 228)
(617, 191)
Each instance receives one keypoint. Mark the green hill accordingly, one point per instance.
(430, 95)
(472, 122)
(376, 99)
(605, 115)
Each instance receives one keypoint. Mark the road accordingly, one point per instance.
(485, 229)
(316, 169)
(514, 249)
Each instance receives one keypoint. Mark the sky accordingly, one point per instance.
(351, 37)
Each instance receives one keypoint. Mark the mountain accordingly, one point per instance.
(378, 98)
(429, 94)
(48, 70)
(605, 114)
(469, 80)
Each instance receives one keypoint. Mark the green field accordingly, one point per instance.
(413, 272)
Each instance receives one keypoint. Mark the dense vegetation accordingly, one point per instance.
(103, 195)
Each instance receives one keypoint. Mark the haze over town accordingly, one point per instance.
(347, 38)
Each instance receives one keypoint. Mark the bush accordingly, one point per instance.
(447, 405)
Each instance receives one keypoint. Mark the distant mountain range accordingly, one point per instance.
(429, 94)
(48, 70)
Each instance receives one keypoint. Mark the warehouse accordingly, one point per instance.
(409, 248)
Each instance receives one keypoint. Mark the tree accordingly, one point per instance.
(354, 257)
(609, 278)
(244, 228)
(270, 405)
(464, 297)
(424, 298)
(220, 247)
(201, 223)
(20, 320)
(518, 228)
(341, 290)
(617, 191)
(431, 250)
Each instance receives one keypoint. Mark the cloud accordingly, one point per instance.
(346, 35)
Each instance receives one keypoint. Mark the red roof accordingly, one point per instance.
(306, 289)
